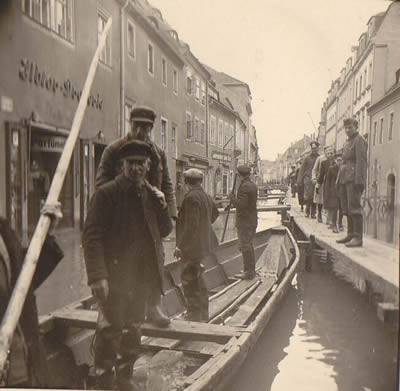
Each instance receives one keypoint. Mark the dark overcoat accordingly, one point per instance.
(110, 167)
(327, 179)
(49, 258)
(123, 229)
(195, 235)
(246, 204)
(354, 166)
(305, 176)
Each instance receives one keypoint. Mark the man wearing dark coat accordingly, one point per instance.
(352, 179)
(246, 220)
(293, 180)
(305, 179)
(124, 257)
(26, 361)
(195, 240)
(299, 188)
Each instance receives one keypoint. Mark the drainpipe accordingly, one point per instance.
(122, 69)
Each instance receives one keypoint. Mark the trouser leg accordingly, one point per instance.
(313, 208)
(320, 213)
(308, 208)
(245, 241)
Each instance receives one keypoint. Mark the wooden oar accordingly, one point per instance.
(14, 308)
(229, 209)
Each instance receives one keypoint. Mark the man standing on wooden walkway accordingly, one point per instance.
(195, 240)
(246, 220)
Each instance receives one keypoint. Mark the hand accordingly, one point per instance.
(100, 290)
(54, 212)
(159, 195)
(178, 253)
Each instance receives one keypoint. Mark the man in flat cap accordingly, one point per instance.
(305, 179)
(195, 240)
(246, 220)
(142, 121)
(122, 243)
(351, 180)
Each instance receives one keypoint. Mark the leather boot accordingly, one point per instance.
(357, 240)
(248, 266)
(156, 316)
(349, 236)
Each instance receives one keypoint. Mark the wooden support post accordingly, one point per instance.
(303, 247)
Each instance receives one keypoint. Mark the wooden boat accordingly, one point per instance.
(186, 355)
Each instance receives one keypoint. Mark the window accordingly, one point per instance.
(189, 84)
(164, 71)
(197, 88)
(356, 90)
(203, 93)
(164, 135)
(131, 39)
(370, 74)
(175, 81)
(220, 132)
(105, 56)
(150, 58)
(189, 130)
(213, 125)
(196, 134)
(359, 94)
(365, 78)
(391, 123)
(203, 133)
(231, 136)
(173, 141)
(226, 135)
(127, 127)
(56, 15)
(381, 132)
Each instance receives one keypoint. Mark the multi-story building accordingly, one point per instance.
(331, 109)
(40, 85)
(322, 126)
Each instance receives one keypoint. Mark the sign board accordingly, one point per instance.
(48, 143)
(7, 104)
(222, 156)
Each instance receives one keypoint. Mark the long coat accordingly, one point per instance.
(110, 168)
(123, 229)
(354, 166)
(327, 178)
(246, 204)
(318, 197)
(195, 235)
(50, 256)
(305, 175)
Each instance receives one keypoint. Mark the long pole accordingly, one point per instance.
(14, 308)
(229, 210)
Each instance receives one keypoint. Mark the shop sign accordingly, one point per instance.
(221, 156)
(47, 143)
(29, 72)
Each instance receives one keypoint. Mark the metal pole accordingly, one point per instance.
(14, 308)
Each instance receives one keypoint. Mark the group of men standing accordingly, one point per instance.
(130, 212)
(336, 182)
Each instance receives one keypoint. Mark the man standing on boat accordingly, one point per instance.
(195, 240)
(305, 179)
(246, 220)
(351, 180)
(126, 221)
(142, 121)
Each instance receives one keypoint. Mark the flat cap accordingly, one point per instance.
(244, 170)
(314, 142)
(350, 122)
(135, 149)
(193, 173)
(143, 114)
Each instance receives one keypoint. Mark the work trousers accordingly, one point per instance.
(350, 199)
(194, 289)
(245, 241)
(300, 194)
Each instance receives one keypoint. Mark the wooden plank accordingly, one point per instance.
(247, 309)
(273, 208)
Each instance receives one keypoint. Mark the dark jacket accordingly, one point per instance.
(123, 229)
(305, 176)
(50, 256)
(110, 167)
(354, 166)
(327, 178)
(246, 204)
(194, 232)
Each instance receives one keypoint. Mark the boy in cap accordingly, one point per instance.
(352, 179)
(246, 220)
(195, 240)
(122, 243)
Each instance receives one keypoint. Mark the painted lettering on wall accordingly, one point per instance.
(222, 156)
(48, 143)
(29, 72)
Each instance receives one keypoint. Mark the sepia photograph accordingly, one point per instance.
(200, 195)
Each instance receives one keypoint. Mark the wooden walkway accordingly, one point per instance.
(376, 263)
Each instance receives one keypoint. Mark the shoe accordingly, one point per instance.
(156, 316)
(313, 216)
(346, 239)
(341, 228)
(246, 275)
(355, 242)
(335, 230)
(319, 219)
(307, 215)
(192, 316)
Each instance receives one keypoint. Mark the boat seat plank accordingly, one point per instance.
(246, 310)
